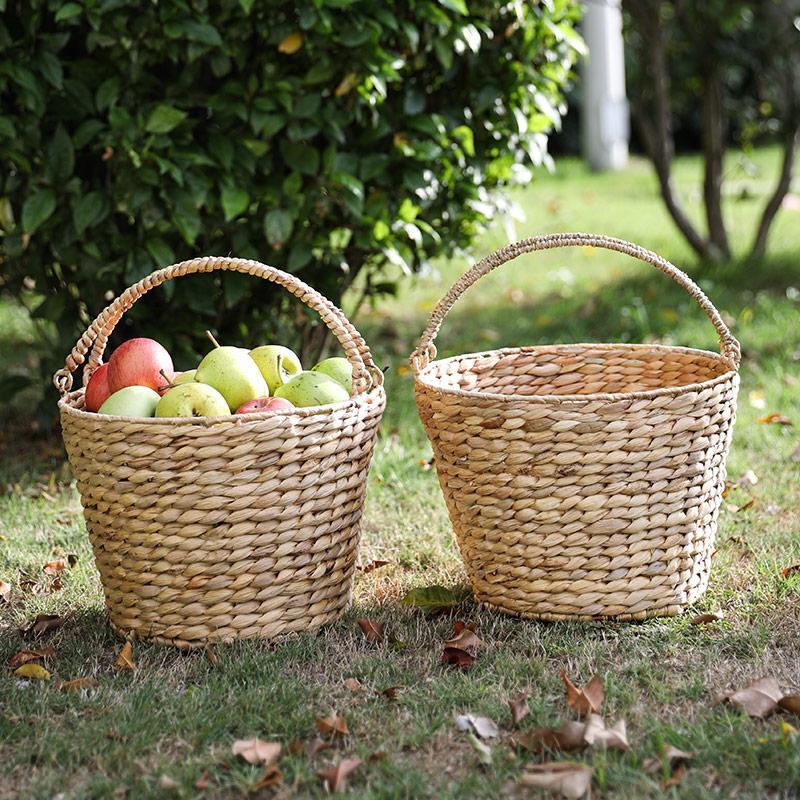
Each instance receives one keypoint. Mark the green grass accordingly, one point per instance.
(178, 714)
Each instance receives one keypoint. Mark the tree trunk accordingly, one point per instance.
(790, 145)
(713, 158)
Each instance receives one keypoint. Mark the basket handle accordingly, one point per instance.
(425, 351)
(365, 374)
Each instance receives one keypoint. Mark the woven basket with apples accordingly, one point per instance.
(222, 502)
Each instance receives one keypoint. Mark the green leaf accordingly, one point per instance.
(234, 202)
(164, 118)
(247, 6)
(278, 225)
(60, 156)
(107, 93)
(202, 32)
(430, 598)
(463, 133)
(68, 11)
(459, 6)
(51, 69)
(299, 256)
(88, 211)
(6, 128)
(160, 251)
(37, 209)
(300, 157)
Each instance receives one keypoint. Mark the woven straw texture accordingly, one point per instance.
(582, 481)
(217, 529)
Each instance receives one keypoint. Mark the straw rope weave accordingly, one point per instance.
(582, 481)
(236, 527)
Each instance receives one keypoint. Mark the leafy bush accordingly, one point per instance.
(338, 139)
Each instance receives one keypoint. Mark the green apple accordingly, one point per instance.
(232, 372)
(312, 389)
(184, 377)
(340, 369)
(131, 401)
(192, 400)
(277, 364)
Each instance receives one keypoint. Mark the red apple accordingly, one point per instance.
(97, 390)
(139, 362)
(275, 405)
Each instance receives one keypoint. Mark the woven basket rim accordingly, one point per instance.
(375, 393)
(424, 378)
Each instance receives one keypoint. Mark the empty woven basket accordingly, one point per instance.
(582, 480)
(236, 527)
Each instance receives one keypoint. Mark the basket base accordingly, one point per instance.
(546, 616)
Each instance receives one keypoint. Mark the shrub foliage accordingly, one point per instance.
(342, 140)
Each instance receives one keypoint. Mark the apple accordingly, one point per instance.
(312, 389)
(232, 372)
(131, 401)
(277, 364)
(192, 400)
(139, 362)
(97, 390)
(274, 405)
(184, 377)
(340, 369)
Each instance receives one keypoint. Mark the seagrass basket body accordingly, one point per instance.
(213, 529)
(582, 481)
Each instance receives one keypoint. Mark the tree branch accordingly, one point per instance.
(713, 157)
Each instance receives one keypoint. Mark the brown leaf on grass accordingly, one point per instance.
(586, 700)
(614, 738)
(568, 778)
(787, 571)
(790, 703)
(334, 724)
(372, 630)
(671, 758)
(54, 567)
(26, 656)
(464, 638)
(165, 782)
(201, 784)
(44, 623)
(270, 778)
(354, 685)
(116, 736)
(775, 418)
(32, 672)
(568, 737)
(125, 657)
(518, 707)
(371, 566)
(457, 657)
(335, 778)
(316, 745)
(5, 591)
(390, 692)
(485, 728)
(211, 655)
(675, 779)
(76, 684)
(705, 619)
(759, 699)
(256, 751)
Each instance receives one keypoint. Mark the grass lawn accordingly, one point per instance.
(155, 731)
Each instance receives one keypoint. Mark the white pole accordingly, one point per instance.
(604, 116)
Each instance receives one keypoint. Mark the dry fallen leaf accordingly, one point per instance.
(390, 692)
(211, 655)
(334, 724)
(315, 746)
(26, 656)
(201, 784)
(76, 684)
(568, 737)
(568, 778)
(614, 738)
(165, 782)
(125, 657)
(291, 44)
(704, 619)
(759, 699)
(485, 728)
(54, 567)
(335, 778)
(372, 565)
(586, 700)
(354, 685)
(32, 671)
(790, 703)
(457, 657)
(372, 630)
(464, 639)
(270, 778)
(775, 418)
(787, 571)
(44, 623)
(518, 708)
(5, 591)
(256, 751)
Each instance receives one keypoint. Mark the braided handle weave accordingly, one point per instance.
(426, 350)
(365, 373)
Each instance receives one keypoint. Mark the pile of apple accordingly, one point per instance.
(139, 380)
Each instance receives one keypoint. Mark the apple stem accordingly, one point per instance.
(212, 339)
(169, 381)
